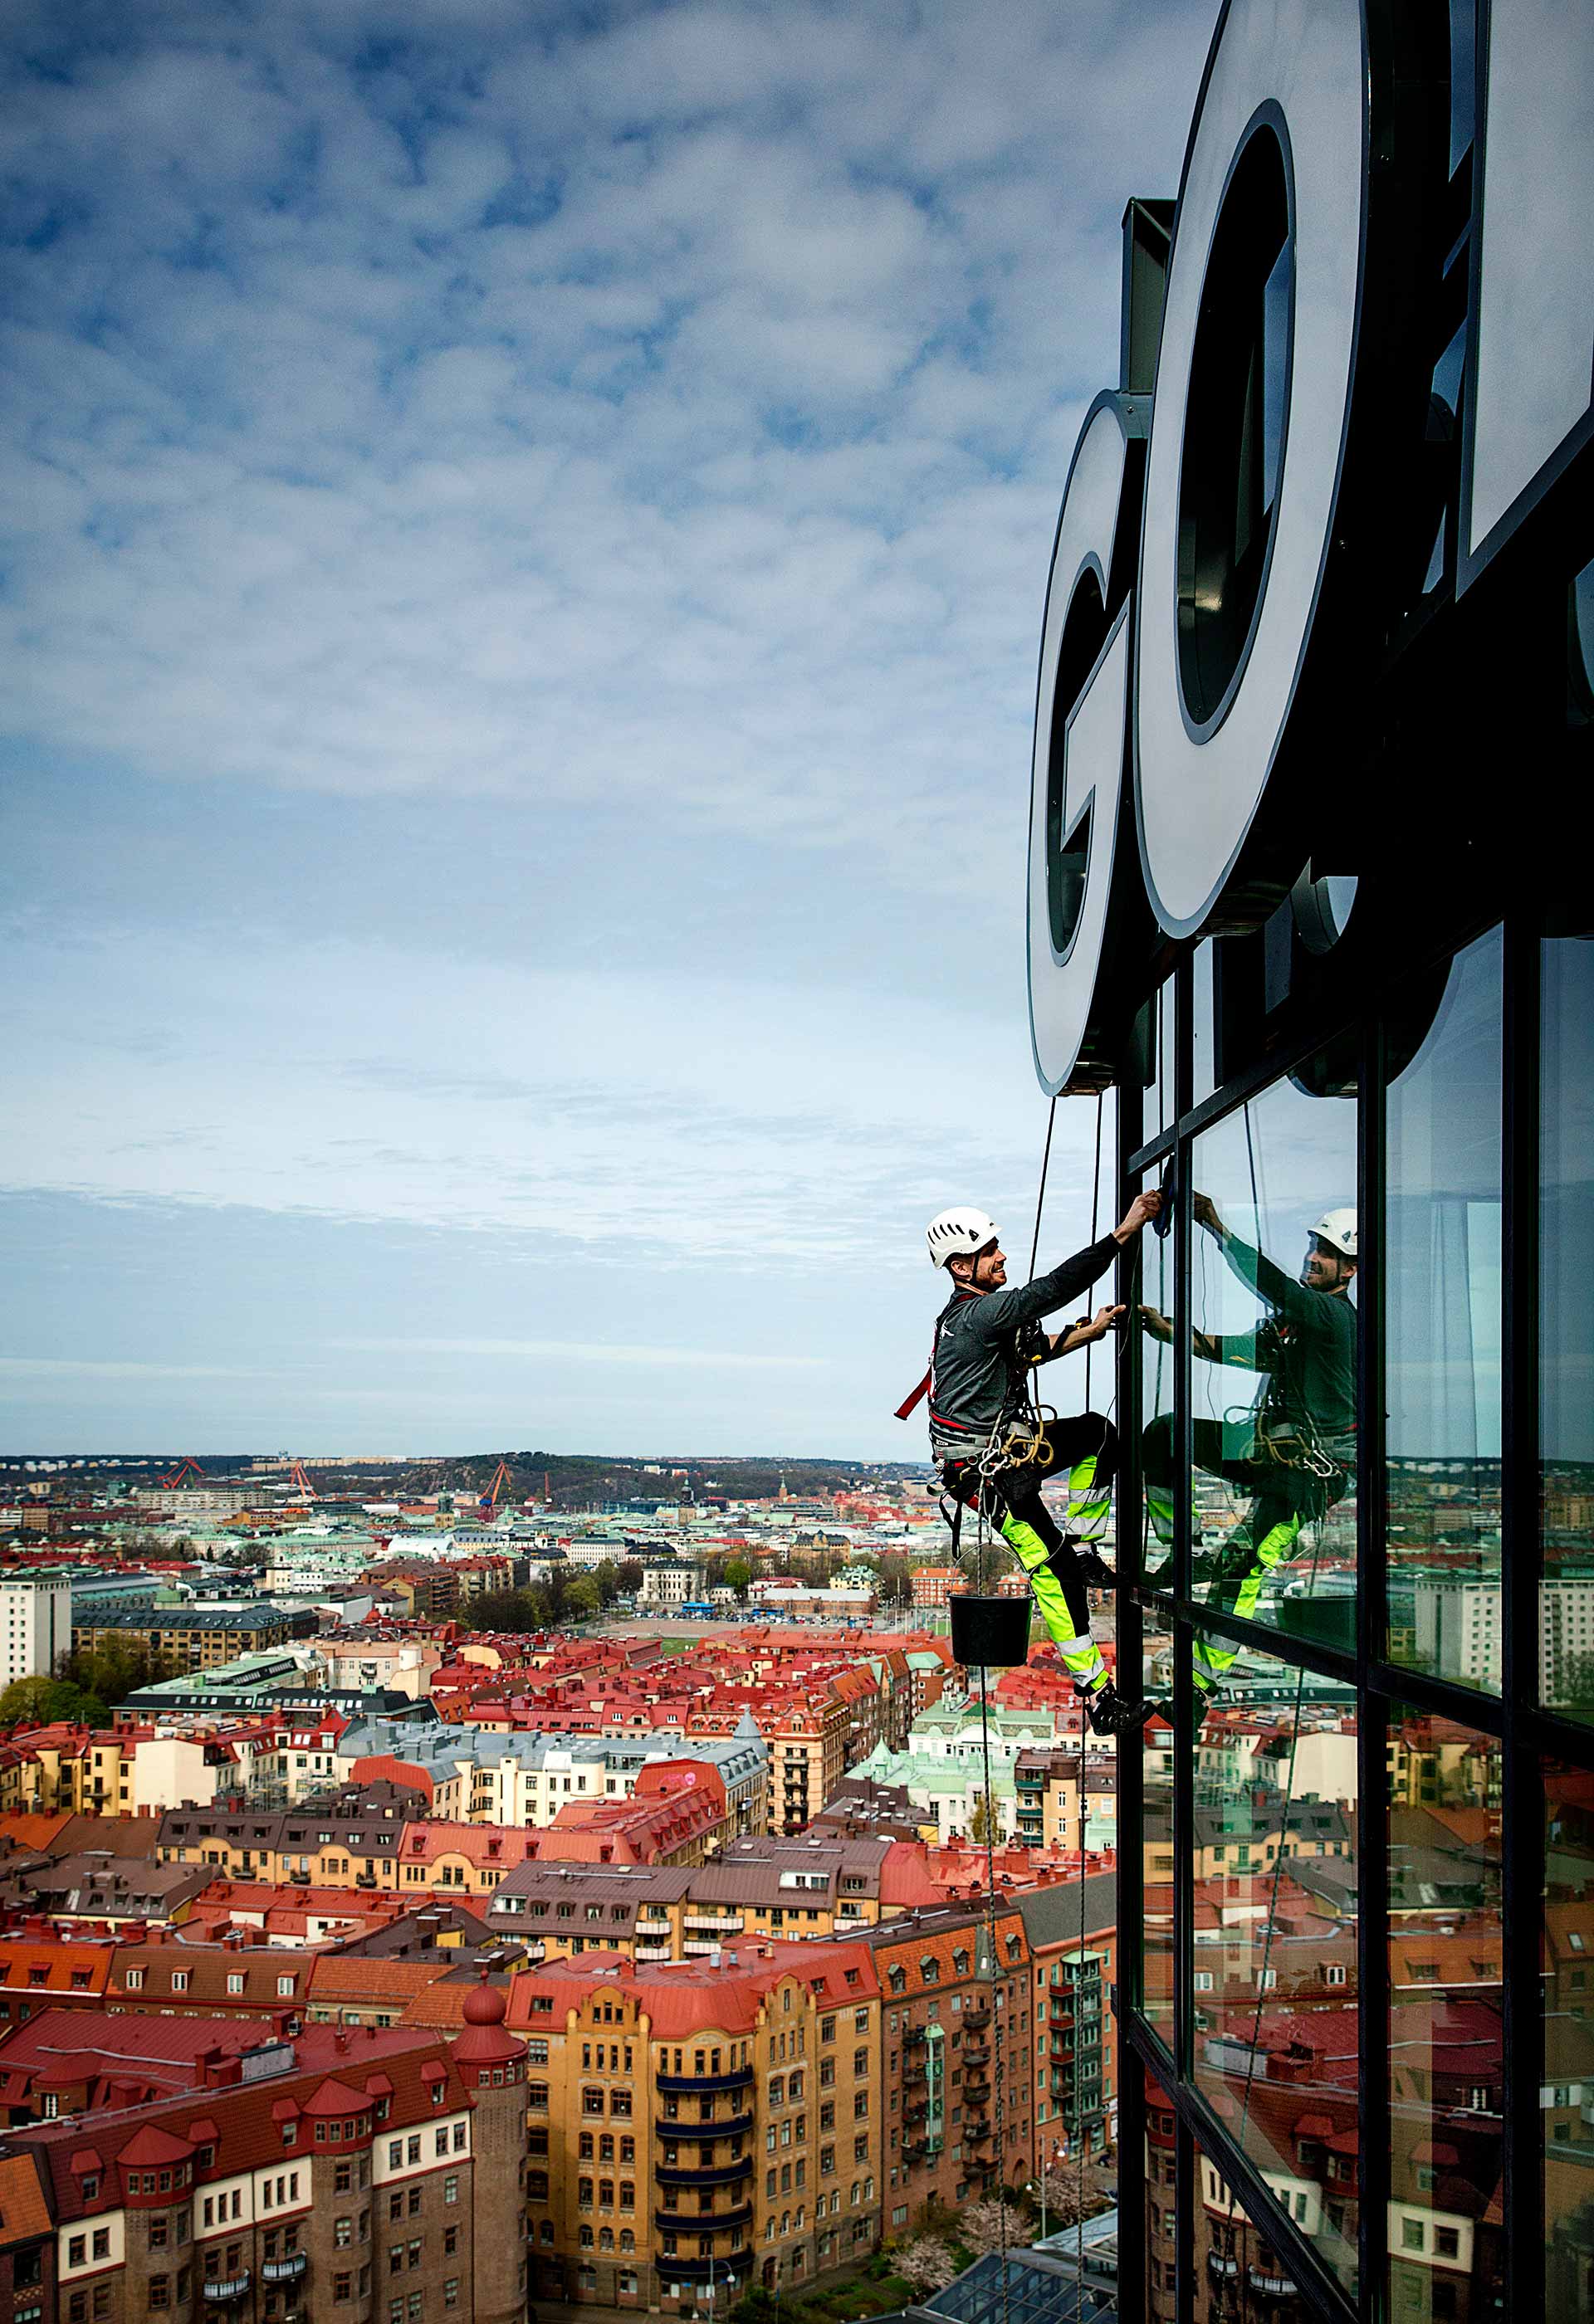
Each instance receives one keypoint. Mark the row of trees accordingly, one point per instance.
(564, 1599)
(86, 1688)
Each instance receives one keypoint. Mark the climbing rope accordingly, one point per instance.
(987, 1471)
(998, 2048)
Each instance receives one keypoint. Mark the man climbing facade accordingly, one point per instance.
(1293, 1452)
(987, 1340)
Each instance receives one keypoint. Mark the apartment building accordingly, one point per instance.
(956, 2038)
(1048, 1799)
(698, 2123)
(337, 1840)
(364, 2174)
(485, 1777)
(671, 1581)
(807, 1740)
(826, 1884)
(35, 1622)
(189, 1637)
(1072, 1930)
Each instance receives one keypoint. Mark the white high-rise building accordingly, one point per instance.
(35, 1624)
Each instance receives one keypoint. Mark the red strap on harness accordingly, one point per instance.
(904, 1409)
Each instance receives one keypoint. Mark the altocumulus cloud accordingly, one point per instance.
(603, 403)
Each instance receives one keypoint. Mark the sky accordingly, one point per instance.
(526, 538)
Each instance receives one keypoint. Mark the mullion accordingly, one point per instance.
(1523, 1836)
(1372, 1930)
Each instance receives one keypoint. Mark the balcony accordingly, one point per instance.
(1220, 2266)
(977, 2057)
(912, 2074)
(225, 2287)
(1272, 2287)
(286, 2270)
(701, 2223)
(977, 2019)
(914, 2034)
(727, 1923)
(702, 2270)
(976, 2089)
(701, 2085)
(727, 2127)
(715, 2174)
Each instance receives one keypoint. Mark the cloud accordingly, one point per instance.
(573, 1351)
(663, 407)
(526, 533)
(44, 1368)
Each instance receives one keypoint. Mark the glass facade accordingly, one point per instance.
(1359, 1842)
(1341, 977)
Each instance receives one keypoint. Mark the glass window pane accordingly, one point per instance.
(1566, 1359)
(1273, 1387)
(1203, 1022)
(1158, 1112)
(1162, 2180)
(1156, 1927)
(1242, 2271)
(1567, 2085)
(1441, 1245)
(1446, 2048)
(1274, 1975)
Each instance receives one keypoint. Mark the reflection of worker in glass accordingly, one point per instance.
(1294, 1452)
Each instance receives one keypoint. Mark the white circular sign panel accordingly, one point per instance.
(1198, 792)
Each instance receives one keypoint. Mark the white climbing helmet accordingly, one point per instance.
(1338, 1229)
(958, 1232)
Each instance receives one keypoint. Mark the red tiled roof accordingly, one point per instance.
(25, 2213)
(249, 2128)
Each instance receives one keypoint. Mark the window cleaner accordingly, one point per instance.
(996, 1448)
(1293, 1451)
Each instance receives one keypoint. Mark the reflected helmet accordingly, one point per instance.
(1338, 1229)
(958, 1233)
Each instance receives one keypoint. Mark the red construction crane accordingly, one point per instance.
(488, 1506)
(188, 1471)
(299, 1476)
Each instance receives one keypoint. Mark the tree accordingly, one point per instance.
(992, 2225)
(1062, 2205)
(738, 1575)
(984, 1823)
(41, 1701)
(926, 2264)
(628, 1573)
(756, 2306)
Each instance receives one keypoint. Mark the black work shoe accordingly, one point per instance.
(1093, 1569)
(1111, 1713)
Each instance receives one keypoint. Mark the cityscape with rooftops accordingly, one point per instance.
(658, 1810)
(801, 1937)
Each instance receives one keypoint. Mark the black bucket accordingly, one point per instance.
(990, 1633)
(1327, 1621)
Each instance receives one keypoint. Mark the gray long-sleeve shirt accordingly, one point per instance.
(976, 1374)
